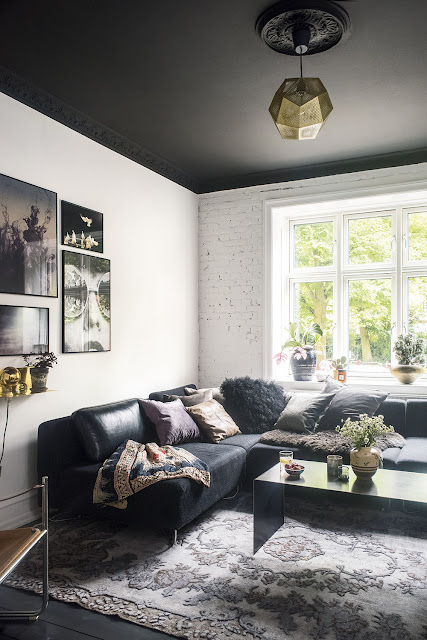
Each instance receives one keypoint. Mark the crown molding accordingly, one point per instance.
(20, 89)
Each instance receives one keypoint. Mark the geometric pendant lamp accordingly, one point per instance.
(301, 106)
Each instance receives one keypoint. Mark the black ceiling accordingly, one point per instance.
(184, 87)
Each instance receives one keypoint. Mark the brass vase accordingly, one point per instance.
(407, 373)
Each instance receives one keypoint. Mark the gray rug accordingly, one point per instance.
(328, 573)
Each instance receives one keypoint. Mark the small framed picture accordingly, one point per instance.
(81, 228)
(23, 330)
(86, 303)
(28, 242)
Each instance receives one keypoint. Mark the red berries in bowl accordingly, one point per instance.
(294, 469)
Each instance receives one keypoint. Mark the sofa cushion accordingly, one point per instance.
(390, 457)
(213, 421)
(416, 417)
(413, 456)
(178, 391)
(244, 440)
(348, 403)
(102, 428)
(197, 397)
(254, 405)
(394, 412)
(216, 393)
(172, 422)
(303, 411)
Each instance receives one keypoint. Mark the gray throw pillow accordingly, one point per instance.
(348, 403)
(216, 393)
(303, 411)
(203, 395)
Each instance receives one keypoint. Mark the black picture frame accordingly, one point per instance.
(82, 228)
(86, 310)
(28, 239)
(23, 330)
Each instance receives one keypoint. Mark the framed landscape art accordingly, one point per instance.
(23, 330)
(81, 228)
(86, 303)
(28, 241)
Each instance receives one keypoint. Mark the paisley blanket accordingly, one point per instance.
(134, 466)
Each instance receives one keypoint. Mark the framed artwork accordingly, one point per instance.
(28, 242)
(23, 330)
(81, 228)
(86, 303)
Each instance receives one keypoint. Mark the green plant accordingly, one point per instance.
(409, 349)
(42, 361)
(363, 432)
(302, 337)
(340, 363)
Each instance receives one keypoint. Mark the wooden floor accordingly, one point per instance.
(63, 621)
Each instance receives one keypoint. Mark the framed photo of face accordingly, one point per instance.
(86, 303)
(23, 330)
(81, 228)
(28, 242)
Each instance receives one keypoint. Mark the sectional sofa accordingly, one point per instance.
(72, 461)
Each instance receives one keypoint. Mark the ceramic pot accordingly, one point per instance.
(407, 373)
(38, 379)
(365, 461)
(304, 370)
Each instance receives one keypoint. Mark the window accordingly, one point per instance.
(356, 267)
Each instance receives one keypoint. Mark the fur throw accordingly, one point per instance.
(254, 404)
(326, 441)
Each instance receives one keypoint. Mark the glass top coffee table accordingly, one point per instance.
(270, 490)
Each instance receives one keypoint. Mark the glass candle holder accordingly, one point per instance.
(334, 464)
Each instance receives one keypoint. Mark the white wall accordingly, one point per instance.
(150, 235)
(232, 263)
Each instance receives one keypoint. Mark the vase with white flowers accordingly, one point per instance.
(303, 357)
(362, 433)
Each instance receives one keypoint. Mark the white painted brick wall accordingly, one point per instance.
(231, 275)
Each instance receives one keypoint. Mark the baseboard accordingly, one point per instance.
(18, 512)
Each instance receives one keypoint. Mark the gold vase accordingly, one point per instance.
(365, 461)
(407, 373)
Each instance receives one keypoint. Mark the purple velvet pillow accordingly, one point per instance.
(172, 422)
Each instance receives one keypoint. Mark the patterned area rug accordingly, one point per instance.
(328, 573)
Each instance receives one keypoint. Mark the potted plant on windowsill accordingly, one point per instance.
(340, 368)
(362, 433)
(39, 368)
(303, 357)
(410, 355)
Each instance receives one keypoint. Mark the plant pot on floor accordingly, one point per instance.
(407, 373)
(303, 369)
(365, 461)
(38, 379)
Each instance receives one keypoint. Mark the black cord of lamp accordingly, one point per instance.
(4, 433)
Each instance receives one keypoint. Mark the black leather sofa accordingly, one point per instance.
(72, 449)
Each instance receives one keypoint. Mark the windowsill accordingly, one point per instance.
(388, 384)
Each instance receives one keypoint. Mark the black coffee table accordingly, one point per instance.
(270, 489)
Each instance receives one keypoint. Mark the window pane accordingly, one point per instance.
(417, 300)
(314, 245)
(369, 240)
(417, 225)
(313, 302)
(369, 324)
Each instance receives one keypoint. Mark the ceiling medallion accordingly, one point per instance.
(301, 106)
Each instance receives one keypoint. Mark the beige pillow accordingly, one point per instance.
(216, 393)
(213, 421)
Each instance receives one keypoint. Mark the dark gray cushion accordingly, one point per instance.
(416, 417)
(244, 440)
(348, 403)
(104, 427)
(394, 412)
(303, 411)
(413, 456)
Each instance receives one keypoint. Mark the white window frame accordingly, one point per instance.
(333, 206)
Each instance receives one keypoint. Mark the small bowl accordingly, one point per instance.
(294, 473)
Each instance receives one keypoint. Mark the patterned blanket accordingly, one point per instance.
(134, 466)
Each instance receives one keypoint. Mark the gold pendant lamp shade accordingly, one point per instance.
(300, 108)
